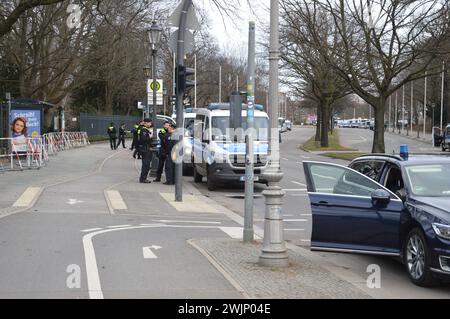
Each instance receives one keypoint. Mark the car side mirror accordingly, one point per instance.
(381, 197)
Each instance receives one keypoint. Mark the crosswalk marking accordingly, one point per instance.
(27, 197)
(116, 200)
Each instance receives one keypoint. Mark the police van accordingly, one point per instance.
(219, 152)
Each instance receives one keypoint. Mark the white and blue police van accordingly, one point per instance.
(219, 152)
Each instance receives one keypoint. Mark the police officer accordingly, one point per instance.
(164, 139)
(112, 136)
(170, 165)
(122, 134)
(144, 146)
(134, 145)
(134, 132)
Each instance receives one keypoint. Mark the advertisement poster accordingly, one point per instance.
(24, 124)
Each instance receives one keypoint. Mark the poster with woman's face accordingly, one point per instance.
(26, 122)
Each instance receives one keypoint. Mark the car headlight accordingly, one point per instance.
(442, 230)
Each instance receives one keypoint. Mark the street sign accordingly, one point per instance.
(159, 92)
(188, 42)
(191, 19)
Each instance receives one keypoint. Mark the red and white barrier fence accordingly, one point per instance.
(32, 152)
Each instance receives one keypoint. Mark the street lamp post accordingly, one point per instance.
(154, 37)
(274, 253)
(147, 75)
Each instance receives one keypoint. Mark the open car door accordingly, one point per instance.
(351, 212)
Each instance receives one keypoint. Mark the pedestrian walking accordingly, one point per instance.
(144, 146)
(122, 134)
(112, 136)
(170, 164)
(163, 152)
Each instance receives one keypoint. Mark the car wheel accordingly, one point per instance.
(416, 257)
(210, 183)
(197, 177)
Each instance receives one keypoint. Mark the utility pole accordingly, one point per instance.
(180, 94)
(412, 106)
(442, 96)
(249, 161)
(390, 107)
(403, 108)
(220, 84)
(195, 80)
(425, 106)
(274, 253)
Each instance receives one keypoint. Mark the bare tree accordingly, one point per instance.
(382, 42)
(307, 70)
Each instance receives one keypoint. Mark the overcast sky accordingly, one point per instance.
(233, 32)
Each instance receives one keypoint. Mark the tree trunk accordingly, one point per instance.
(378, 134)
(108, 100)
(318, 125)
(325, 124)
(23, 60)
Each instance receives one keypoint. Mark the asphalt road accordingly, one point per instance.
(297, 213)
(72, 245)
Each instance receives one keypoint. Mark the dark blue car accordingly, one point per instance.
(385, 205)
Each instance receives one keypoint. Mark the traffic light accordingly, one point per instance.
(183, 83)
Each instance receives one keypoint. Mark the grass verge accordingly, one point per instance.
(333, 144)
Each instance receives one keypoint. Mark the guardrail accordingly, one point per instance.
(33, 152)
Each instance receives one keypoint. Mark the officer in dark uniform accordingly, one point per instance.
(170, 165)
(144, 146)
(134, 145)
(112, 136)
(122, 134)
(163, 138)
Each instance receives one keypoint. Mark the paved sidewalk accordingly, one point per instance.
(303, 279)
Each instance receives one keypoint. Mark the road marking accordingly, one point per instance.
(187, 221)
(301, 184)
(294, 229)
(305, 157)
(93, 277)
(27, 197)
(73, 201)
(148, 253)
(305, 214)
(295, 189)
(285, 159)
(90, 230)
(116, 200)
(118, 226)
(295, 220)
(235, 232)
(190, 203)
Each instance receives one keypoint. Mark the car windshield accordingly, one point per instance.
(431, 180)
(222, 124)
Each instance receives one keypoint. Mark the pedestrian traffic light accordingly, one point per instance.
(183, 83)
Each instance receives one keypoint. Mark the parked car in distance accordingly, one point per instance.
(282, 125)
(385, 205)
(288, 125)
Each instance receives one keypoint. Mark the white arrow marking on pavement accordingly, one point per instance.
(148, 253)
(73, 201)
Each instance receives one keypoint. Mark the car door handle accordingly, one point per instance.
(322, 203)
